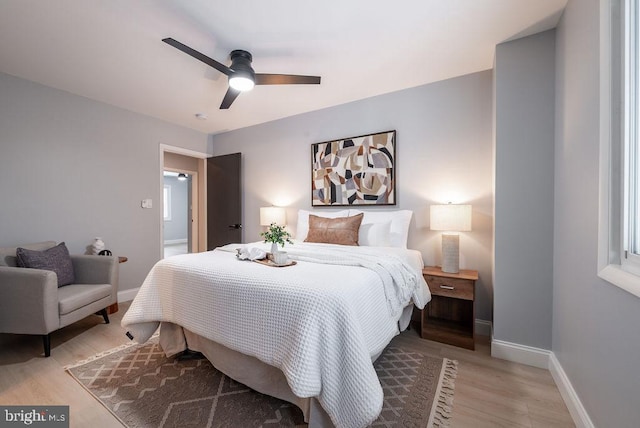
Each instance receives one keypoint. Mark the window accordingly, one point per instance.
(631, 125)
(166, 199)
(619, 234)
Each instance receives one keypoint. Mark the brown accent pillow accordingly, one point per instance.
(341, 230)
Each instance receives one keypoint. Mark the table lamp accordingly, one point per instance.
(275, 215)
(450, 218)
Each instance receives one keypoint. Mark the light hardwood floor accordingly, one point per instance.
(488, 392)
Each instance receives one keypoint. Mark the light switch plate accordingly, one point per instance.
(147, 203)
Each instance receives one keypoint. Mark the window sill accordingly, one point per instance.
(615, 275)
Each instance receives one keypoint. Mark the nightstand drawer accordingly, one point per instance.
(450, 287)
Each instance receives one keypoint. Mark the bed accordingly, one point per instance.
(307, 333)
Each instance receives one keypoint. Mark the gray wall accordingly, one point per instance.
(177, 227)
(524, 115)
(72, 169)
(444, 153)
(596, 333)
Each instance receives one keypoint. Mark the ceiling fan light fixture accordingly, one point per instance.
(241, 75)
(241, 83)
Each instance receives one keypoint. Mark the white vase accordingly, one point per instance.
(97, 245)
(274, 247)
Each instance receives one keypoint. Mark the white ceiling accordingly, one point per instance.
(111, 50)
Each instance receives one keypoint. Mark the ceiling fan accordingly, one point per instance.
(241, 76)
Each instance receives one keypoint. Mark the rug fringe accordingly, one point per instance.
(106, 353)
(443, 402)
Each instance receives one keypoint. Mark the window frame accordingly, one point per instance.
(166, 202)
(631, 253)
(613, 266)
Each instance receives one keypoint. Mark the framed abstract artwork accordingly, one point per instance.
(354, 171)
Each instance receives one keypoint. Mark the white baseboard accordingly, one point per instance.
(522, 354)
(545, 359)
(127, 295)
(175, 241)
(576, 409)
(484, 327)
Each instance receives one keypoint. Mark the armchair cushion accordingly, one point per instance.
(55, 259)
(76, 296)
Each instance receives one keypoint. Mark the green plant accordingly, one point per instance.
(277, 235)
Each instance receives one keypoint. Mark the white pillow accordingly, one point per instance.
(302, 229)
(375, 234)
(400, 220)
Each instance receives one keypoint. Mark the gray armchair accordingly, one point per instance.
(32, 303)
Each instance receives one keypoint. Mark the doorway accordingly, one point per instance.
(183, 193)
(215, 209)
(177, 212)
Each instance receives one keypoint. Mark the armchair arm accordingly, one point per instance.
(96, 270)
(28, 301)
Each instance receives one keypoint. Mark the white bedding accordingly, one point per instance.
(320, 322)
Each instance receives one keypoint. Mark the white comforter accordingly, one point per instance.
(320, 321)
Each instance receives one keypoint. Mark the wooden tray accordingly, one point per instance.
(268, 262)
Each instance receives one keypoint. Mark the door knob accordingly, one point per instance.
(235, 226)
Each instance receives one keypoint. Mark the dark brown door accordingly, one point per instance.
(224, 200)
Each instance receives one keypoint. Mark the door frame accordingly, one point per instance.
(200, 197)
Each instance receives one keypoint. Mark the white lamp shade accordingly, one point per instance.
(450, 217)
(275, 215)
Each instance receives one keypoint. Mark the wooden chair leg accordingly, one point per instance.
(105, 315)
(46, 341)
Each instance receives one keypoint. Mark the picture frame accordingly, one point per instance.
(354, 171)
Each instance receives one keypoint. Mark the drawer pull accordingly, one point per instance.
(447, 287)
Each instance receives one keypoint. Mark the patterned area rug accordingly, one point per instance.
(143, 388)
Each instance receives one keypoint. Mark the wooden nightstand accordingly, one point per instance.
(450, 316)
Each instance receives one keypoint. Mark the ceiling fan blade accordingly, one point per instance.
(229, 98)
(286, 79)
(197, 55)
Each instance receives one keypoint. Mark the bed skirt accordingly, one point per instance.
(243, 368)
(249, 370)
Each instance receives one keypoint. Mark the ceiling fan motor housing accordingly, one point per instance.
(241, 64)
